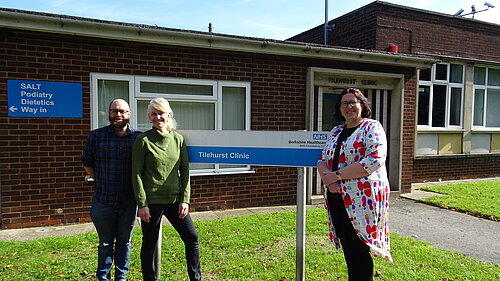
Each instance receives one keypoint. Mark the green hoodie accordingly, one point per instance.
(160, 168)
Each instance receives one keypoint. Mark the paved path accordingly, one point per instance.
(458, 232)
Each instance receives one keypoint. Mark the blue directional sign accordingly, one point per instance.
(44, 99)
(268, 148)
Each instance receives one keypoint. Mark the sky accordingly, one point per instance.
(274, 19)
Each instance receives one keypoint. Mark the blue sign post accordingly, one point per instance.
(44, 99)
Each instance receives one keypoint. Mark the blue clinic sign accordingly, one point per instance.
(268, 148)
(44, 99)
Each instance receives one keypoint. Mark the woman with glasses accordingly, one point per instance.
(353, 170)
(160, 177)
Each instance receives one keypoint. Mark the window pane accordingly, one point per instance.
(456, 73)
(441, 72)
(107, 91)
(233, 112)
(438, 105)
(479, 75)
(455, 106)
(194, 115)
(423, 105)
(492, 106)
(493, 77)
(176, 89)
(233, 108)
(142, 115)
(478, 107)
(425, 74)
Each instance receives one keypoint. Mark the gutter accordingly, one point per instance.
(61, 24)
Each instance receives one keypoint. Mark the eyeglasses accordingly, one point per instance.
(116, 111)
(348, 103)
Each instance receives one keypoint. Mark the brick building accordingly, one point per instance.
(273, 85)
(457, 122)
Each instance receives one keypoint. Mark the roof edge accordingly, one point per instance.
(62, 24)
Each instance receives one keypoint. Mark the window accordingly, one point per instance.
(197, 105)
(440, 96)
(486, 98)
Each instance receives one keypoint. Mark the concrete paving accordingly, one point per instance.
(471, 236)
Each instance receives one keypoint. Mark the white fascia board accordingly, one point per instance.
(157, 35)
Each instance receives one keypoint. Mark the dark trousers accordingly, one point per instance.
(187, 232)
(357, 254)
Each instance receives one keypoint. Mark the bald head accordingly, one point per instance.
(119, 102)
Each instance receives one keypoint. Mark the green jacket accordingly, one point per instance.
(160, 168)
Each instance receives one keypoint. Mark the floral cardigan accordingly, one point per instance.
(366, 199)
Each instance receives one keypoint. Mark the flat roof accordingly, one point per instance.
(71, 25)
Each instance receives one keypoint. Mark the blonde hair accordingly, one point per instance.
(162, 105)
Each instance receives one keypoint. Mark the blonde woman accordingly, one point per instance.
(160, 175)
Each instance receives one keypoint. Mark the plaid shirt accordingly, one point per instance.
(111, 157)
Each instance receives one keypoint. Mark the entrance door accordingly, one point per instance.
(326, 98)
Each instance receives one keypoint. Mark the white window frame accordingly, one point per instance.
(449, 86)
(216, 98)
(94, 109)
(484, 87)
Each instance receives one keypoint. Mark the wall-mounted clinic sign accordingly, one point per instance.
(268, 148)
(358, 81)
(44, 99)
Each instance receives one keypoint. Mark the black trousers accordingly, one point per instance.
(187, 232)
(357, 254)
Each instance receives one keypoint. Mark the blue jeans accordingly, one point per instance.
(114, 225)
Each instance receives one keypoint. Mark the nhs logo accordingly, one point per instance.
(320, 136)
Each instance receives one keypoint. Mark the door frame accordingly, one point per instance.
(341, 78)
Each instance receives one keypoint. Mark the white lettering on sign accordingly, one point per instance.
(36, 95)
(235, 155)
(31, 86)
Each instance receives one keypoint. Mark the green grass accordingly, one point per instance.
(255, 247)
(480, 199)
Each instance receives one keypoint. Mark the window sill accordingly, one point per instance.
(222, 173)
(485, 130)
(472, 155)
(440, 130)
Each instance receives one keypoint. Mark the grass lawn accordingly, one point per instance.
(255, 247)
(480, 199)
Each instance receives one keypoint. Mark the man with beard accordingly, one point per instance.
(107, 159)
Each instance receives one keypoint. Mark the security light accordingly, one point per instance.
(489, 5)
(459, 12)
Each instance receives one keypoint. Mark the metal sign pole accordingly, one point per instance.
(300, 232)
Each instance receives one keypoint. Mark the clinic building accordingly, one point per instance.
(215, 82)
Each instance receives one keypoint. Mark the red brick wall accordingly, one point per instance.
(40, 157)
(464, 167)
(436, 34)
(349, 31)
